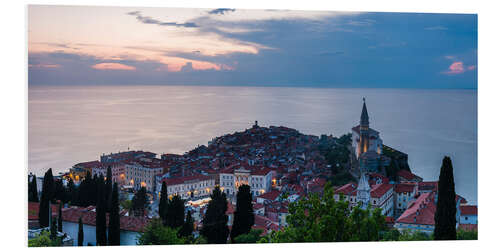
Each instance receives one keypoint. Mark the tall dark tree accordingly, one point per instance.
(47, 194)
(162, 207)
(139, 202)
(188, 226)
(215, 228)
(175, 212)
(72, 193)
(32, 190)
(100, 228)
(109, 188)
(59, 218)
(53, 228)
(444, 218)
(243, 216)
(80, 232)
(114, 218)
(59, 191)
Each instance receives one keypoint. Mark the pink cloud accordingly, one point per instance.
(472, 67)
(112, 66)
(458, 67)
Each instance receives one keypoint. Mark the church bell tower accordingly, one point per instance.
(364, 131)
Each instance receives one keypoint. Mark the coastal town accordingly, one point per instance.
(279, 164)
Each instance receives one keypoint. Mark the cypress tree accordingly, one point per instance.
(139, 202)
(53, 229)
(444, 218)
(214, 222)
(114, 218)
(44, 210)
(32, 190)
(243, 216)
(109, 188)
(188, 226)
(162, 207)
(100, 228)
(175, 211)
(59, 218)
(80, 232)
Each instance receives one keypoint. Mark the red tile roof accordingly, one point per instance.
(272, 195)
(407, 175)
(379, 190)
(468, 210)
(404, 187)
(347, 189)
(33, 210)
(420, 211)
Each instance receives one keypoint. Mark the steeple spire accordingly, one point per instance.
(364, 115)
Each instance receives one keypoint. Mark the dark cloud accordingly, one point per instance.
(220, 11)
(150, 20)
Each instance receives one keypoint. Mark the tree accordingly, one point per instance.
(44, 240)
(71, 192)
(155, 233)
(243, 216)
(32, 190)
(162, 206)
(100, 228)
(215, 228)
(59, 218)
(251, 237)
(444, 218)
(114, 219)
(53, 229)
(139, 202)
(322, 219)
(186, 230)
(80, 232)
(109, 188)
(44, 210)
(59, 191)
(175, 212)
(466, 235)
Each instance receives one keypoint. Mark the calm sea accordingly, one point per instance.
(68, 125)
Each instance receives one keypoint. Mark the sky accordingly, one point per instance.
(76, 45)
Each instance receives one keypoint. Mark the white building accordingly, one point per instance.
(404, 194)
(259, 180)
(142, 174)
(188, 187)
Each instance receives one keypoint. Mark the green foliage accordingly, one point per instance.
(324, 220)
(162, 206)
(251, 237)
(126, 204)
(108, 188)
(243, 216)
(44, 240)
(466, 235)
(445, 216)
(175, 212)
(155, 233)
(53, 229)
(342, 178)
(47, 195)
(80, 232)
(32, 190)
(140, 202)
(100, 228)
(59, 218)
(391, 235)
(391, 171)
(215, 220)
(188, 226)
(114, 218)
(414, 236)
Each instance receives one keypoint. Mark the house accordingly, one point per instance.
(194, 186)
(467, 217)
(381, 196)
(407, 176)
(419, 217)
(268, 197)
(404, 194)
